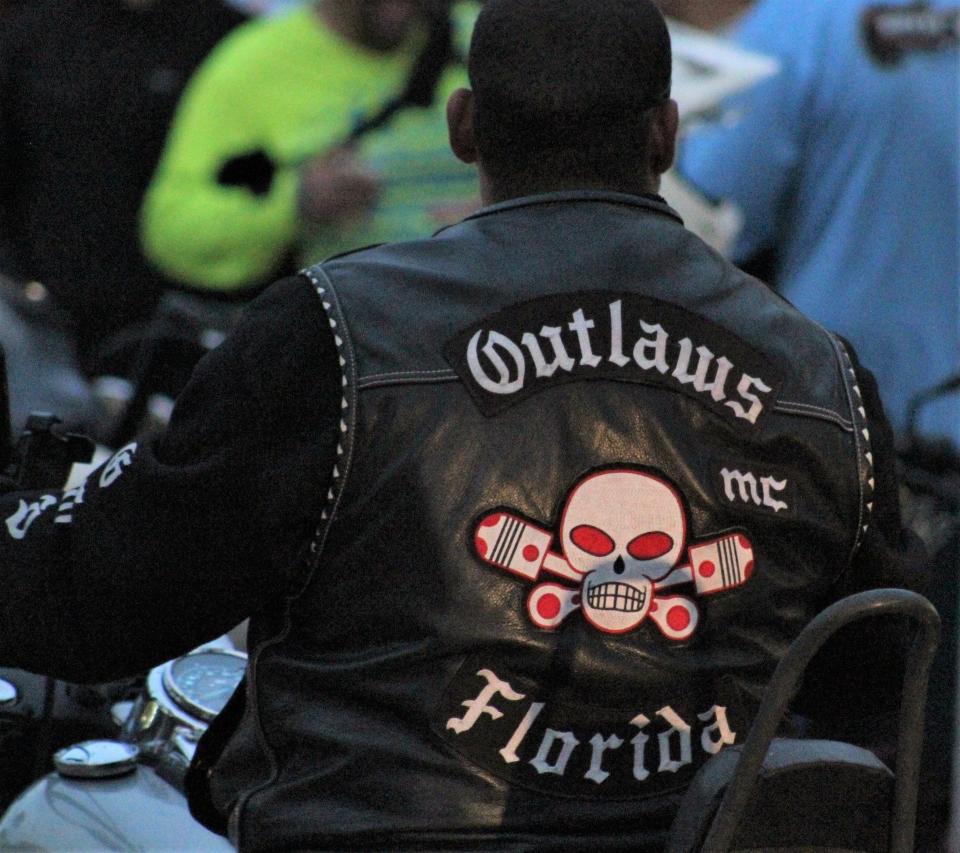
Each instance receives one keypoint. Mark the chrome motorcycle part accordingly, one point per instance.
(181, 698)
(201, 683)
(139, 811)
(8, 692)
(96, 759)
(120, 711)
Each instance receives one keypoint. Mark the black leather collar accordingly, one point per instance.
(645, 201)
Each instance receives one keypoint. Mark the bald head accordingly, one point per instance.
(569, 93)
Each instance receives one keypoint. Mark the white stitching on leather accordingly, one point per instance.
(375, 376)
(804, 410)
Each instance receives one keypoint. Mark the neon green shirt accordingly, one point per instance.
(292, 89)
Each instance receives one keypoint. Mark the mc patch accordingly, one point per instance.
(755, 487)
(622, 541)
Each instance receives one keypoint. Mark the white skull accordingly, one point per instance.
(623, 530)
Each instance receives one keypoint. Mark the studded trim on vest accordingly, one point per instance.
(348, 408)
(341, 471)
(861, 436)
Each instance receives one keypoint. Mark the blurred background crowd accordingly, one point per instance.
(208, 146)
(161, 161)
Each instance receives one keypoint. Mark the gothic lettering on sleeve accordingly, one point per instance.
(115, 464)
(534, 345)
(71, 499)
(27, 513)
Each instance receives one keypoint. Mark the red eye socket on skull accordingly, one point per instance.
(592, 540)
(649, 546)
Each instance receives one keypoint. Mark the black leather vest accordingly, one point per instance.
(592, 480)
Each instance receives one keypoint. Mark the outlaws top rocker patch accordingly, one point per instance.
(598, 335)
(623, 534)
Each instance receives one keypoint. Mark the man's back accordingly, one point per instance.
(590, 481)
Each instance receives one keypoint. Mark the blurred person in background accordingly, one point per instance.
(288, 147)
(846, 165)
(86, 93)
(264, 7)
(711, 16)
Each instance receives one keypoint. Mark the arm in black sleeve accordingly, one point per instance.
(174, 541)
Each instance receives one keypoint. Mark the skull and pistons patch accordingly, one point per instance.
(623, 542)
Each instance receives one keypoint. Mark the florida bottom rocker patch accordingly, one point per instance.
(523, 732)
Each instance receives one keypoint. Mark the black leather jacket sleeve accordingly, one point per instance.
(175, 540)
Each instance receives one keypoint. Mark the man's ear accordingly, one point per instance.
(460, 125)
(663, 136)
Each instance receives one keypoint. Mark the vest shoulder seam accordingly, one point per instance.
(403, 377)
(793, 407)
(400, 377)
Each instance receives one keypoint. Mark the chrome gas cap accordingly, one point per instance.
(8, 692)
(96, 759)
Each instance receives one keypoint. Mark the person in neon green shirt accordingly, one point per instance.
(255, 175)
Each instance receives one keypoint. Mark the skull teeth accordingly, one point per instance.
(616, 596)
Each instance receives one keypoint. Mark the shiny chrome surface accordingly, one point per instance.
(96, 759)
(105, 796)
(8, 692)
(201, 683)
(181, 698)
(139, 811)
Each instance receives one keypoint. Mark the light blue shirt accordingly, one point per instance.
(850, 169)
(264, 7)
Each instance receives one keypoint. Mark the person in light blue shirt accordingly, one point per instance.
(264, 7)
(846, 164)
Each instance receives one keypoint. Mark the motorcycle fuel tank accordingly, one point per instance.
(138, 811)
